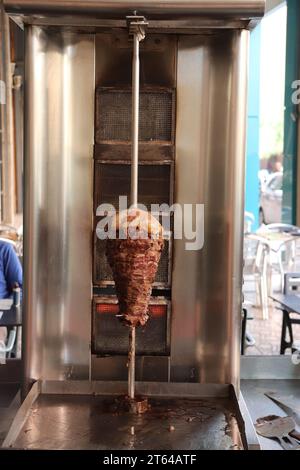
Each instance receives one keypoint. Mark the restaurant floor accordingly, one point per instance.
(266, 333)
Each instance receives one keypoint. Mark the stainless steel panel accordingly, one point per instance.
(58, 203)
(260, 405)
(112, 49)
(269, 367)
(148, 368)
(252, 437)
(180, 25)
(117, 388)
(7, 142)
(210, 147)
(245, 8)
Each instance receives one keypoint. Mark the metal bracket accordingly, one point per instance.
(137, 26)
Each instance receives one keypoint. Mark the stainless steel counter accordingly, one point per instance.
(259, 405)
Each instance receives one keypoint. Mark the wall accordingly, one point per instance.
(252, 156)
(289, 209)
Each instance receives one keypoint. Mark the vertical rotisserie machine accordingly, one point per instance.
(193, 97)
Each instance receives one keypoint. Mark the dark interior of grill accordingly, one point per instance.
(112, 171)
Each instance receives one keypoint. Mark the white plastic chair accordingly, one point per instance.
(256, 257)
(6, 349)
(286, 228)
(283, 258)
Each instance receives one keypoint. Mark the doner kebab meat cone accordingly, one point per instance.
(134, 262)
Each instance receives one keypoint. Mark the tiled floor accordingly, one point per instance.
(266, 332)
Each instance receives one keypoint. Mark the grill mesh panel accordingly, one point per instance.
(113, 116)
(112, 180)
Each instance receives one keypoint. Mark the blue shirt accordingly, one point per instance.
(10, 270)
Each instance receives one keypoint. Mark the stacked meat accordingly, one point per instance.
(134, 257)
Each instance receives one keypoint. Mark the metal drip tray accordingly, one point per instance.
(83, 415)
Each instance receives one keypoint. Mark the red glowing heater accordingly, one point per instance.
(110, 336)
(155, 310)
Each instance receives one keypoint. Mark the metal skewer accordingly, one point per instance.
(135, 120)
(136, 26)
(131, 364)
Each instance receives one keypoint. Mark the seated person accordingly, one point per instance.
(10, 275)
(10, 270)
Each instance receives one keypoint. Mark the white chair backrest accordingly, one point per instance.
(249, 220)
(286, 228)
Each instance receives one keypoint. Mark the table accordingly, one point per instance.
(289, 304)
(245, 318)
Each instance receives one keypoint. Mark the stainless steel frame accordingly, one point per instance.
(58, 205)
(206, 62)
(231, 8)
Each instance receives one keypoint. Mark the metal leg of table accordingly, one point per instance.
(281, 271)
(293, 322)
(265, 287)
(264, 298)
(290, 330)
(244, 326)
(269, 275)
(286, 326)
(257, 280)
(18, 344)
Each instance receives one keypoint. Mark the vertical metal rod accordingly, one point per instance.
(135, 120)
(131, 365)
(134, 185)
